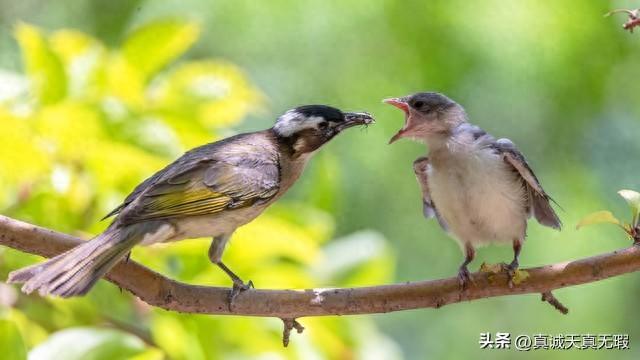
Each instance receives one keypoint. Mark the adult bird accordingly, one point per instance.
(209, 191)
(479, 189)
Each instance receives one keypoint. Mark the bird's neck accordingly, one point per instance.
(436, 142)
(439, 141)
(286, 144)
(455, 118)
(292, 161)
(296, 146)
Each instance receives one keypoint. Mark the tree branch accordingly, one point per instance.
(548, 297)
(288, 305)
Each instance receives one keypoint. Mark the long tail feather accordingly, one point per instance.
(74, 272)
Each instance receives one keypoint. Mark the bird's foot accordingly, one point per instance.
(238, 288)
(512, 272)
(464, 278)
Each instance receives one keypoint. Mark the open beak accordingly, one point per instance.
(356, 118)
(401, 104)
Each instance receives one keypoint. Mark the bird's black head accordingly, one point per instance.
(308, 127)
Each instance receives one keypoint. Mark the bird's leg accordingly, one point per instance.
(215, 255)
(513, 266)
(463, 272)
(238, 285)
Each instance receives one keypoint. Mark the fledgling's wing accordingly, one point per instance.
(229, 174)
(539, 201)
(421, 167)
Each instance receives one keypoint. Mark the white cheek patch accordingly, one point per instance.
(292, 122)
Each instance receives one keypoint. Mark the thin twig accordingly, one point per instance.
(633, 18)
(290, 324)
(548, 297)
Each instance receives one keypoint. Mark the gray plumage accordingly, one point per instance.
(421, 168)
(536, 202)
(208, 192)
(480, 189)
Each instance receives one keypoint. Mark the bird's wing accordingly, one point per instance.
(421, 167)
(539, 201)
(134, 194)
(205, 181)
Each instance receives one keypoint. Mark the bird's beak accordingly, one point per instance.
(401, 104)
(356, 118)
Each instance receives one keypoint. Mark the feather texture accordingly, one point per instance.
(75, 271)
(229, 174)
(421, 168)
(539, 201)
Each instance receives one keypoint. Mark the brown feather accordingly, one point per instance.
(539, 201)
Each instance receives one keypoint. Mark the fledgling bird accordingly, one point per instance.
(479, 189)
(209, 191)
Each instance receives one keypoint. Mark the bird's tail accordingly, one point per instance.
(74, 272)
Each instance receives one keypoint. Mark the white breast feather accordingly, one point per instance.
(479, 197)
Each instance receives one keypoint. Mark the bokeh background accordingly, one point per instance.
(95, 96)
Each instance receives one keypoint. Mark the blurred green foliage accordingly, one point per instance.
(556, 77)
(83, 126)
(632, 228)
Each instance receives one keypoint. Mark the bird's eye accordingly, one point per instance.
(418, 104)
(323, 125)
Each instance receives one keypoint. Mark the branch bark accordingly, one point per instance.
(168, 294)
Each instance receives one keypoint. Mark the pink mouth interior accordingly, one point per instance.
(402, 106)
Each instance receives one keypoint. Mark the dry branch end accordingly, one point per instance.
(548, 297)
(290, 324)
(633, 19)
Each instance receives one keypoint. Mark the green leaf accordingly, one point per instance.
(598, 217)
(150, 354)
(156, 44)
(633, 199)
(11, 341)
(43, 66)
(216, 94)
(173, 335)
(88, 344)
